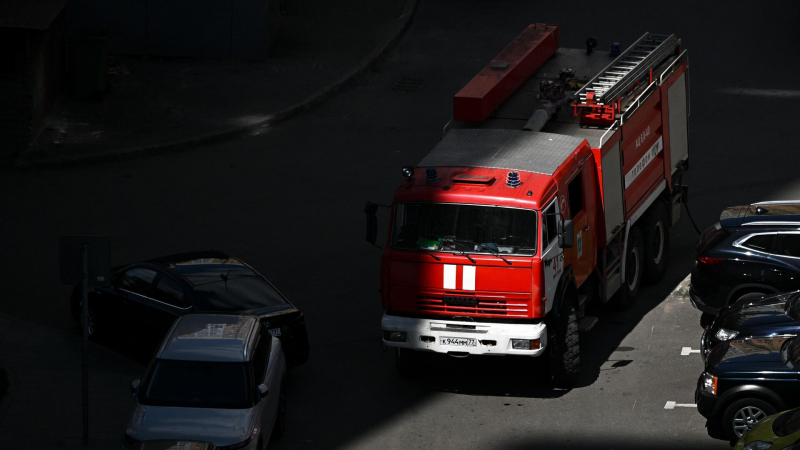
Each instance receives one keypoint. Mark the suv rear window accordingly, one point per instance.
(759, 242)
(712, 237)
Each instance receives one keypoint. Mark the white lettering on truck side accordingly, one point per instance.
(643, 162)
(642, 137)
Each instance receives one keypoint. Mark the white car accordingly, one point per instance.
(216, 382)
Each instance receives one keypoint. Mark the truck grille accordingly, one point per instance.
(482, 307)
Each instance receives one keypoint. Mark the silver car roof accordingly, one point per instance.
(211, 337)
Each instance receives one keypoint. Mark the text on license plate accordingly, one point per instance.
(465, 342)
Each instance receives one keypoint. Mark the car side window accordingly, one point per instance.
(789, 245)
(549, 232)
(759, 242)
(138, 280)
(171, 292)
(261, 356)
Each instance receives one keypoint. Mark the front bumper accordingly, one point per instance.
(492, 338)
(705, 402)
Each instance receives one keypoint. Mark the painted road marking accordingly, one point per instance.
(673, 405)
(686, 351)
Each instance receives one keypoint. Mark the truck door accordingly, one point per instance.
(581, 206)
(552, 254)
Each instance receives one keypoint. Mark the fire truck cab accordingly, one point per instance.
(555, 185)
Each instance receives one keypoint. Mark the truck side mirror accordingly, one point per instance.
(371, 210)
(566, 234)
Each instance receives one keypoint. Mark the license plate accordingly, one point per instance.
(461, 342)
(275, 331)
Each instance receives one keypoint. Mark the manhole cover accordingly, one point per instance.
(408, 85)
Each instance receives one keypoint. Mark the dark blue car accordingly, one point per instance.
(771, 315)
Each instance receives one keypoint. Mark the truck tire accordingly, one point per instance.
(626, 296)
(742, 414)
(408, 362)
(655, 235)
(564, 346)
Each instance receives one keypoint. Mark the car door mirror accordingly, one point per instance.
(135, 386)
(566, 234)
(263, 390)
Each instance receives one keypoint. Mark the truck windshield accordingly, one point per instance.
(464, 228)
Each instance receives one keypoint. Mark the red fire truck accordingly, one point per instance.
(554, 185)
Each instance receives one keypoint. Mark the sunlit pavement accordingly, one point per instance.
(289, 201)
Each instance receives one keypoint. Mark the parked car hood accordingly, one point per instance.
(748, 318)
(218, 426)
(748, 355)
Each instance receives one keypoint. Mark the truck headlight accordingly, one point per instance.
(758, 445)
(525, 344)
(394, 336)
(710, 383)
(726, 335)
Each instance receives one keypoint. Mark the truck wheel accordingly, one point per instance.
(564, 347)
(626, 296)
(742, 414)
(655, 234)
(408, 362)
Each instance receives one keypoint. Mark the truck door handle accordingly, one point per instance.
(775, 270)
(587, 228)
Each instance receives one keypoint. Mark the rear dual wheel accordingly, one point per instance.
(634, 263)
(655, 236)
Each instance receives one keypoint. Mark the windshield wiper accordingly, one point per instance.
(495, 253)
(430, 252)
(462, 252)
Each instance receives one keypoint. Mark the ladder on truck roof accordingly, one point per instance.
(603, 93)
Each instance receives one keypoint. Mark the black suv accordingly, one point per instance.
(753, 250)
(749, 379)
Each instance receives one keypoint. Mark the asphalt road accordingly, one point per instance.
(289, 201)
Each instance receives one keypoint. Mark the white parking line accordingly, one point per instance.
(673, 405)
(686, 351)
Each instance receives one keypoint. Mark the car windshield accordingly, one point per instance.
(464, 228)
(787, 424)
(194, 384)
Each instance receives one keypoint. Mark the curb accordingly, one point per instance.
(390, 39)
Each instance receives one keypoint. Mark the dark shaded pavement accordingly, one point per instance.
(289, 201)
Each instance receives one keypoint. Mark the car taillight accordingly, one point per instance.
(710, 260)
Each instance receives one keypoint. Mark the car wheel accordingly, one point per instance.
(564, 354)
(409, 363)
(655, 235)
(742, 414)
(626, 296)
(280, 421)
